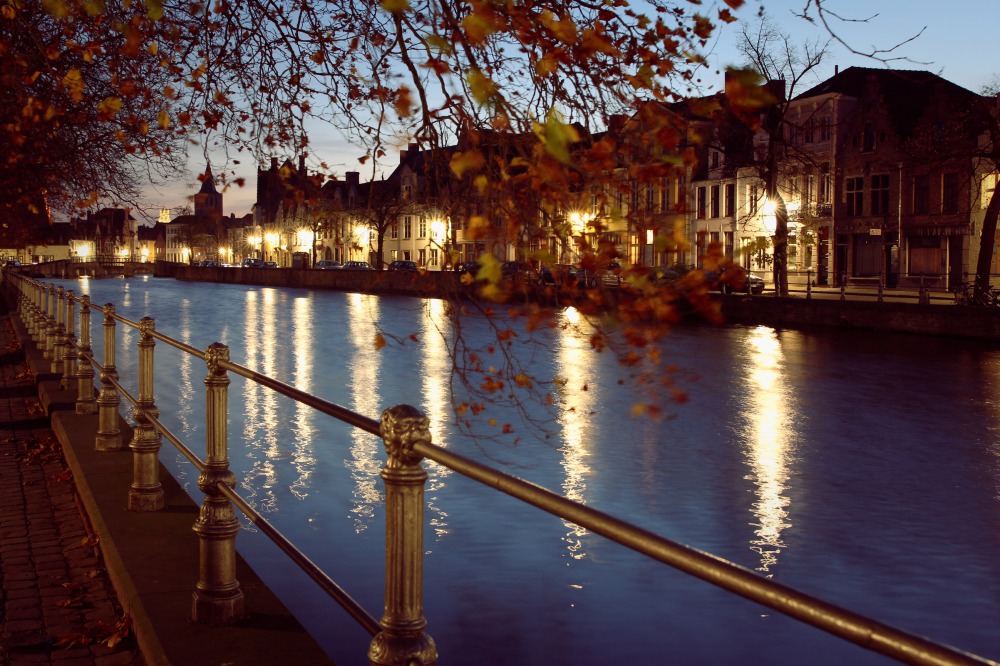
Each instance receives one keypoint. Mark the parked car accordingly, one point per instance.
(471, 267)
(734, 279)
(269, 264)
(328, 264)
(403, 265)
(568, 274)
(252, 262)
(358, 266)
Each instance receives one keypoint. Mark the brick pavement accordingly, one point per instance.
(58, 604)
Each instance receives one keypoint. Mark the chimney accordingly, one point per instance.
(836, 70)
(302, 163)
(353, 177)
(274, 164)
(402, 155)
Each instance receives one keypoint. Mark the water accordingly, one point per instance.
(862, 469)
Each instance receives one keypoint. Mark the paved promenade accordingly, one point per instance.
(59, 606)
(83, 580)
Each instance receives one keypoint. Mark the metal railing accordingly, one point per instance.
(48, 314)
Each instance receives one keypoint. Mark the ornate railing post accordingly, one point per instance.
(217, 598)
(109, 435)
(49, 327)
(85, 403)
(402, 640)
(37, 303)
(69, 344)
(58, 333)
(146, 493)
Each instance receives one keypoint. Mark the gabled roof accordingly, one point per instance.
(906, 92)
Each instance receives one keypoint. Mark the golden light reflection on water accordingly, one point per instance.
(304, 454)
(435, 369)
(186, 386)
(573, 365)
(769, 408)
(362, 375)
(260, 424)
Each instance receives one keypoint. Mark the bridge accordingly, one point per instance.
(218, 603)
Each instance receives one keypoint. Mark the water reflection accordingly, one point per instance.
(574, 369)
(260, 423)
(363, 372)
(304, 456)
(185, 389)
(769, 408)
(435, 363)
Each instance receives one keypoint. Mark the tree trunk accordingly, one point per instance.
(986, 245)
(780, 245)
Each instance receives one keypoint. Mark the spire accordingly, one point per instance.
(208, 181)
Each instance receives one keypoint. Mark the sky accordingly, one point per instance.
(956, 40)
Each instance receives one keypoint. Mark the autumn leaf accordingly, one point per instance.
(394, 6)
(557, 137)
(379, 341)
(463, 161)
(74, 84)
(163, 118)
(482, 87)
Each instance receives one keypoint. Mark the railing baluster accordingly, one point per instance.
(58, 333)
(402, 640)
(109, 435)
(217, 598)
(146, 493)
(69, 344)
(50, 322)
(85, 403)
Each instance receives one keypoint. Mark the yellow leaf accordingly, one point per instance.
(110, 106)
(557, 137)
(481, 86)
(154, 9)
(564, 31)
(464, 161)
(379, 341)
(163, 118)
(74, 84)
(395, 6)
(152, 48)
(477, 27)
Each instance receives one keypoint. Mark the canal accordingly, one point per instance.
(863, 469)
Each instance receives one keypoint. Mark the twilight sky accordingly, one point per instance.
(957, 40)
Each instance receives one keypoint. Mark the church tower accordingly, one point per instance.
(208, 201)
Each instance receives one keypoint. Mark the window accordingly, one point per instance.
(880, 194)
(730, 200)
(422, 257)
(921, 195)
(868, 139)
(824, 128)
(809, 133)
(949, 193)
(728, 237)
(824, 194)
(752, 199)
(715, 159)
(407, 227)
(854, 188)
(422, 227)
(434, 256)
(394, 231)
(702, 207)
(665, 195)
(716, 205)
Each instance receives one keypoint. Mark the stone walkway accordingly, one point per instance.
(58, 604)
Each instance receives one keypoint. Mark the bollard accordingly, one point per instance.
(146, 493)
(402, 640)
(109, 435)
(85, 403)
(217, 597)
(69, 344)
(809, 285)
(843, 291)
(880, 291)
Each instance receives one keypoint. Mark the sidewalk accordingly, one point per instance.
(58, 602)
(68, 545)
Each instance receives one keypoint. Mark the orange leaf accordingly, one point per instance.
(379, 341)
